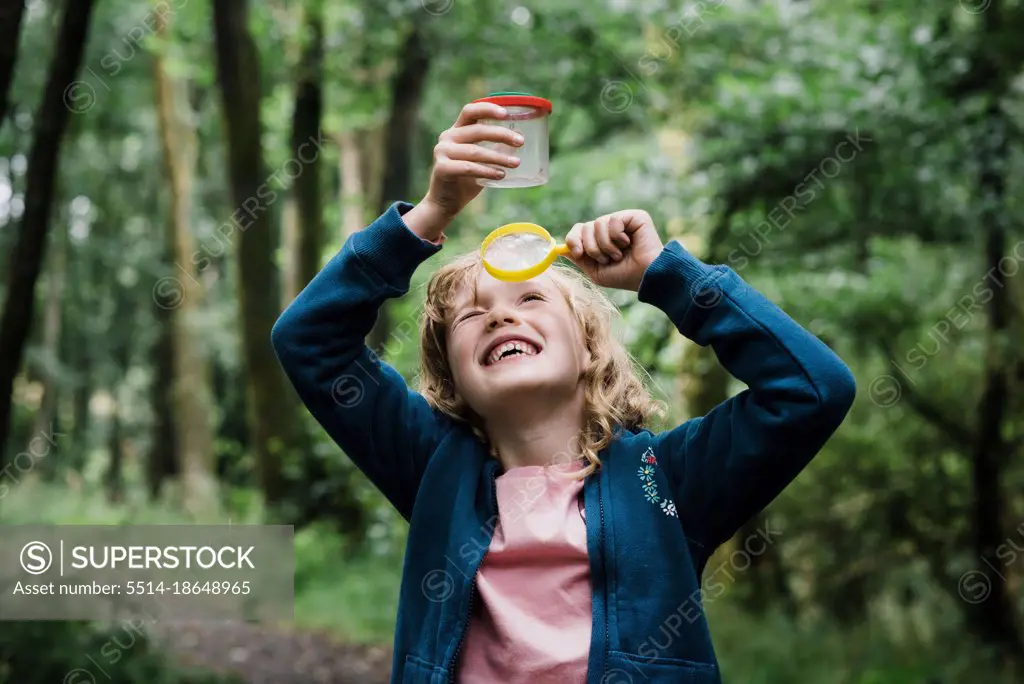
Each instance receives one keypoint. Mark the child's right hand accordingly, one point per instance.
(459, 161)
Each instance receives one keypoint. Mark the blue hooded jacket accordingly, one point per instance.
(656, 509)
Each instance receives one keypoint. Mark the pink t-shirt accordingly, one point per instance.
(531, 622)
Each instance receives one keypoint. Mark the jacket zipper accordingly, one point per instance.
(607, 636)
(472, 589)
(462, 637)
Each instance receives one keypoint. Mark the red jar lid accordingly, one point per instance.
(509, 99)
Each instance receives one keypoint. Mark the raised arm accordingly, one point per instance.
(363, 403)
(730, 464)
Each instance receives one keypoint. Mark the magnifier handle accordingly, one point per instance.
(561, 250)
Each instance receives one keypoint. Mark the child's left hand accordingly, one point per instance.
(615, 250)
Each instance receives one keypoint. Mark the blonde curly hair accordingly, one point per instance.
(614, 394)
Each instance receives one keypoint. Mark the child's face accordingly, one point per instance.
(535, 320)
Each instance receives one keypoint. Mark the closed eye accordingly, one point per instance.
(533, 296)
(467, 316)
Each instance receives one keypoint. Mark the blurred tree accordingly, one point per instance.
(274, 412)
(407, 85)
(306, 133)
(10, 38)
(27, 257)
(189, 387)
(49, 352)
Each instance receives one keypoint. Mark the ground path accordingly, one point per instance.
(264, 654)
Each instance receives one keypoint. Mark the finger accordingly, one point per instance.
(577, 252)
(604, 241)
(617, 233)
(467, 169)
(590, 245)
(476, 133)
(616, 228)
(474, 111)
(575, 241)
(634, 219)
(475, 153)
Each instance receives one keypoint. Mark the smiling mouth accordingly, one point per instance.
(513, 350)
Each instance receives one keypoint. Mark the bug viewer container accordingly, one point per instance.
(528, 115)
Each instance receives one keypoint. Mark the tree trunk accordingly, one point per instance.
(51, 346)
(27, 256)
(290, 282)
(305, 130)
(114, 478)
(11, 13)
(353, 194)
(993, 619)
(190, 394)
(275, 422)
(161, 463)
(81, 416)
(371, 164)
(406, 95)
(120, 345)
(79, 350)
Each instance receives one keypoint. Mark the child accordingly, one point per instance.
(552, 537)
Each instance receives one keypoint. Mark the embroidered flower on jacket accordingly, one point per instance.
(650, 488)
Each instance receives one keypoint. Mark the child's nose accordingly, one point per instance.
(501, 317)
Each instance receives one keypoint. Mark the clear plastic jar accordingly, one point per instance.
(528, 115)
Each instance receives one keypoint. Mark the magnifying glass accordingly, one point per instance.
(520, 251)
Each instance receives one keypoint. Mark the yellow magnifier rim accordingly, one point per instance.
(518, 276)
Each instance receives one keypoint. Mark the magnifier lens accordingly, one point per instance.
(517, 251)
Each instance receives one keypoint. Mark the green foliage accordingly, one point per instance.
(774, 650)
(44, 652)
(347, 590)
(714, 125)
